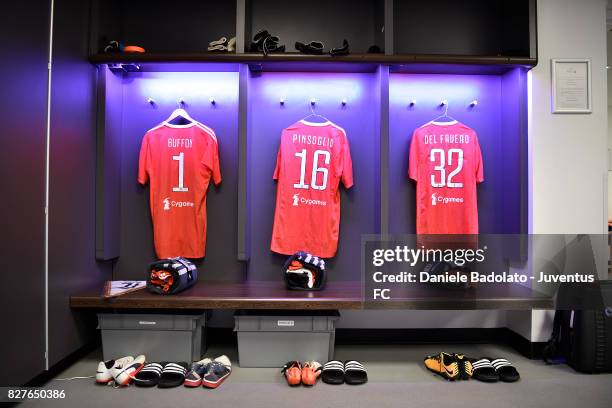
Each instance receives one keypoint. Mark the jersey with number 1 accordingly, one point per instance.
(179, 161)
(446, 162)
(312, 160)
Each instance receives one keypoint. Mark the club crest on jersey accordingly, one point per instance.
(166, 204)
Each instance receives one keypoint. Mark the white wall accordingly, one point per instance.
(568, 153)
(609, 108)
(395, 319)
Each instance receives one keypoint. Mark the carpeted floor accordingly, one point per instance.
(397, 379)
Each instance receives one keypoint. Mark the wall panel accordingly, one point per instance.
(72, 265)
(23, 104)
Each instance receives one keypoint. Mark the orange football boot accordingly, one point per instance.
(311, 372)
(293, 373)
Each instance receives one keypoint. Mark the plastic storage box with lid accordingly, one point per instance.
(270, 339)
(160, 337)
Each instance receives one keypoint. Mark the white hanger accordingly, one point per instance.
(179, 112)
(445, 115)
(313, 114)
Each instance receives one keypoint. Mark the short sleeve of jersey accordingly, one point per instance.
(479, 167)
(347, 165)
(413, 159)
(144, 161)
(277, 167)
(211, 160)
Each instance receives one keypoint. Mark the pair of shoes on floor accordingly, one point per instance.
(296, 373)
(121, 370)
(266, 43)
(163, 375)
(209, 373)
(351, 372)
(223, 44)
(317, 48)
(493, 370)
(450, 366)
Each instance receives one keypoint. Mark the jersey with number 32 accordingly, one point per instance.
(446, 163)
(312, 160)
(179, 161)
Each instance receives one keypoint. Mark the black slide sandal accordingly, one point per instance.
(355, 373)
(333, 372)
(484, 371)
(506, 371)
(173, 375)
(149, 375)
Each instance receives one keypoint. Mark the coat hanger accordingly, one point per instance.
(313, 114)
(445, 115)
(179, 115)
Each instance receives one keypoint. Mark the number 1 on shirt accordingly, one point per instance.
(181, 163)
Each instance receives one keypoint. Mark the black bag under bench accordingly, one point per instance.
(582, 336)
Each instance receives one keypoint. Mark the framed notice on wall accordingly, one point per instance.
(571, 86)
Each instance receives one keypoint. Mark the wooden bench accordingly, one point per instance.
(336, 296)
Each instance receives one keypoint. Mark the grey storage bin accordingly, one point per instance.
(270, 339)
(159, 337)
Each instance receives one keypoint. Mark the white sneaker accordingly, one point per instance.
(124, 374)
(104, 372)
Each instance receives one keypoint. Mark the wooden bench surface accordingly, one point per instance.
(336, 296)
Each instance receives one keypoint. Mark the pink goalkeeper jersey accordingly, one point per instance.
(312, 160)
(179, 161)
(446, 163)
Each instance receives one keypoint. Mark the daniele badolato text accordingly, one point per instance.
(414, 257)
(477, 277)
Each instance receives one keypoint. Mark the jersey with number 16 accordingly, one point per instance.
(312, 160)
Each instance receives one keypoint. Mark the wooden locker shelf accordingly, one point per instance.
(346, 63)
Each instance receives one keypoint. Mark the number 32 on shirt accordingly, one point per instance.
(446, 162)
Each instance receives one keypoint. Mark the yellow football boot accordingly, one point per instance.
(443, 364)
(465, 366)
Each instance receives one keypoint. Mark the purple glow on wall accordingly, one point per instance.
(429, 90)
(166, 88)
(299, 88)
